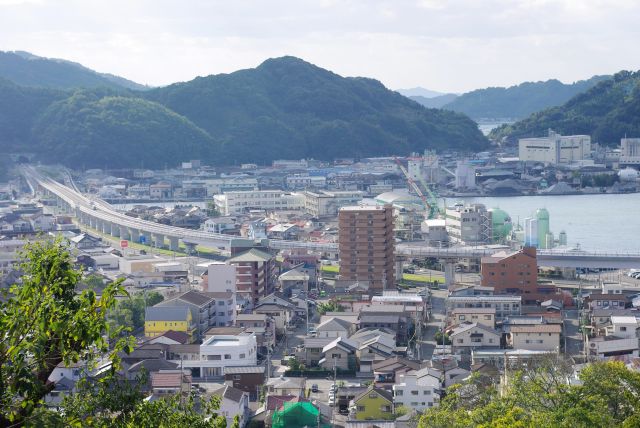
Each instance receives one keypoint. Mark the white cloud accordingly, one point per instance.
(443, 45)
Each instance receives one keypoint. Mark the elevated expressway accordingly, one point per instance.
(103, 217)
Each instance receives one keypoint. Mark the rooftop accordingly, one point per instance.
(167, 313)
(252, 255)
(540, 328)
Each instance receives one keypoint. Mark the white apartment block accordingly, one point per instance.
(216, 186)
(325, 203)
(220, 351)
(541, 337)
(299, 181)
(221, 278)
(555, 149)
(232, 203)
(419, 390)
(630, 151)
(504, 305)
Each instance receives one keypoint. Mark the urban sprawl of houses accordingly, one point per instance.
(344, 334)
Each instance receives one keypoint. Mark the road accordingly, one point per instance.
(573, 343)
(427, 343)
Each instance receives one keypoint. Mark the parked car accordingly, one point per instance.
(314, 387)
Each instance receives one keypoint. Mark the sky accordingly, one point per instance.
(447, 46)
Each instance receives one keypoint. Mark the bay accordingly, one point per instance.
(596, 222)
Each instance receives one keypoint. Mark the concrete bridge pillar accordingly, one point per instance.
(158, 240)
(92, 222)
(190, 247)
(115, 230)
(124, 233)
(174, 243)
(449, 273)
(106, 227)
(146, 238)
(134, 234)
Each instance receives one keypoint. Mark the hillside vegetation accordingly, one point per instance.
(26, 69)
(519, 101)
(607, 112)
(289, 108)
(90, 129)
(285, 108)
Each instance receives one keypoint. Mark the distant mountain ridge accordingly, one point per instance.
(26, 69)
(420, 92)
(518, 101)
(284, 108)
(434, 102)
(607, 112)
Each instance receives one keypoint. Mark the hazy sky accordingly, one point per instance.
(455, 45)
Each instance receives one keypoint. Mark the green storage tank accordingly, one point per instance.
(500, 224)
(542, 215)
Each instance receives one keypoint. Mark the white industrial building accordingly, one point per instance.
(555, 149)
(232, 203)
(324, 203)
(470, 224)
(630, 151)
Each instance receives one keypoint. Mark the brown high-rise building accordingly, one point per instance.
(367, 245)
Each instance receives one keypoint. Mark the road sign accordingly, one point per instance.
(124, 243)
(143, 239)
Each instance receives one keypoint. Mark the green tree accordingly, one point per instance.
(44, 322)
(330, 306)
(129, 312)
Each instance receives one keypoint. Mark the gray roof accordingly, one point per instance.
(386, 319)
(334, 324)
(233, 394)
(166, 313)
(244, 370)
(251, 317)
(253, 255)
(195, 298)
(464, 327)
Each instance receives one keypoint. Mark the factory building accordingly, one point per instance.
(630, 152)
(555, 149)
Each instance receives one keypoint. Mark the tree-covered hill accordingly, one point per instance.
(607, 112)
(519, 101)
(26, 69)
(289, 108)
(93, 129)
(19, 108)
(285, 108)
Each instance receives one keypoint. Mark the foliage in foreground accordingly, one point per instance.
(44, 321)
(609, 396)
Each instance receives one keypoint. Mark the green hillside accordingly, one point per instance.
(90, 129)
(519, 101)
(26, 69)
(607, 112)
(434, 102)
(288, 108)
(19, 108)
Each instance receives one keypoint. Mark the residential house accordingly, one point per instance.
(287, 386)
(451, 372)
(335, 327)
(160, 319)
(233, 402)
(262, 326)
(544, 337)
(600, 317)
(418, 389)
(311, 353)
(224, 309)
(469, 336)
(246, 378)
(373, 404)
(294, 279)
(280, 314)
(170, 382)
(373, 345)
(392, 317)
(171, 338)
(607, 301)
(339, 354)
(387, 371)
(484, 316)
(203, 307)
(505, 305)
(84, 241)
(42, 222)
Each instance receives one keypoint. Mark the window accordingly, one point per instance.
(490, 340)
(220, 303)
(361, 408)
(385, 408)
(461, 317)
(242, 355)
(227, 356)
(425, 392)
(623, 328)
(460, 341)
(414, 392)
(398, 393)
(487, 317)
(335, 356)
(236, 377)
(373, 395)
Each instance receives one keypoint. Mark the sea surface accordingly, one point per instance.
(595, 222)
(486, 126)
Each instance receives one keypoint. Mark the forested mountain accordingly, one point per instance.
(27, 69)
(519, 101)
(434, 102)
(608, 111)
(98, 129)
(285, 108)
(289, 108)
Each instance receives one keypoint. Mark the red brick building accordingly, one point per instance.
(516, 273)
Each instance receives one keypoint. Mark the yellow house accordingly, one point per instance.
(160, 319)
(374, 404)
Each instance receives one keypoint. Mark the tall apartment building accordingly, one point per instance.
(555, 148)
(254, 274)
(367, 245)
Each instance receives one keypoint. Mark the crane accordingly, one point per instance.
(430, 206)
